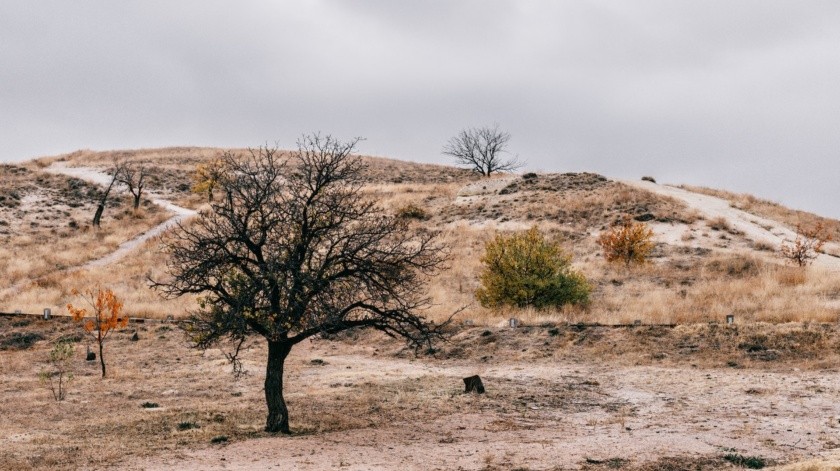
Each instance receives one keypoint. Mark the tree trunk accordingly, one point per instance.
(98, 215)
(278, 414)
(101, 359)
(137, 201)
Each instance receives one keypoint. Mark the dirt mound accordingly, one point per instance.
(556, 182)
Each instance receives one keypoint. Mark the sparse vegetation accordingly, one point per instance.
(412, 211)
(58, 376)
(187, 425)
(749, 462)
(526, 270)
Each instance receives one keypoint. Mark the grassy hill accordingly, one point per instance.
(702, 268)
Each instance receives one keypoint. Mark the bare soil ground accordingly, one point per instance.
(558, 397)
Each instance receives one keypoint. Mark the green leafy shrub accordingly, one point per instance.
(525, 269)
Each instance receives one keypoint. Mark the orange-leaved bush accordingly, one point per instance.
(631, 242)
(102, 318)
(525, 269)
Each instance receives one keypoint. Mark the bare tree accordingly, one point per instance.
(293, 249)
(481, 149)
(807, 245)
(116, 171)
(132, 176)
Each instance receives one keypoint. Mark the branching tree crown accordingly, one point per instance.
(133, 176)
(482, 150)
(292, 249)
(807, 245)
(101, 317)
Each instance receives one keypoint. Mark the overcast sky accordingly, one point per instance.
(742, 95)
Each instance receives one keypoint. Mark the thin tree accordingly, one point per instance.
(116, 170)
(206, 177)
(133, 177)
(482, 150)
(294, 249)
(807, 245)
(102, 318)
(58, 378)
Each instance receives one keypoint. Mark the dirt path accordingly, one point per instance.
(755, 228)
(562, 414)
(100, 178)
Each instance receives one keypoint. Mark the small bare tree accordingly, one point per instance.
(482, 150)
(807, 245)
(59, 376)
(116, 172)
(293, 249)
(133, 176)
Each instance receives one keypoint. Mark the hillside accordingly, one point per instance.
(574, 388)
(710, 260)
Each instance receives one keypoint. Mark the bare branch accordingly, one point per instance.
(481, 149)
(292, 249)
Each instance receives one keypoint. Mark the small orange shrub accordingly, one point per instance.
(631, 242)
(105, 316)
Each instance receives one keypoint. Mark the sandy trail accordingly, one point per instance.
(755, 228)
(100, 178)
(572, 411)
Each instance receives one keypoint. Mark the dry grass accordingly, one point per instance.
(46, 228)
(683, 284)
(676, 288)
(770, 210)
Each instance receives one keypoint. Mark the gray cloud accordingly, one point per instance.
(740, 95)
